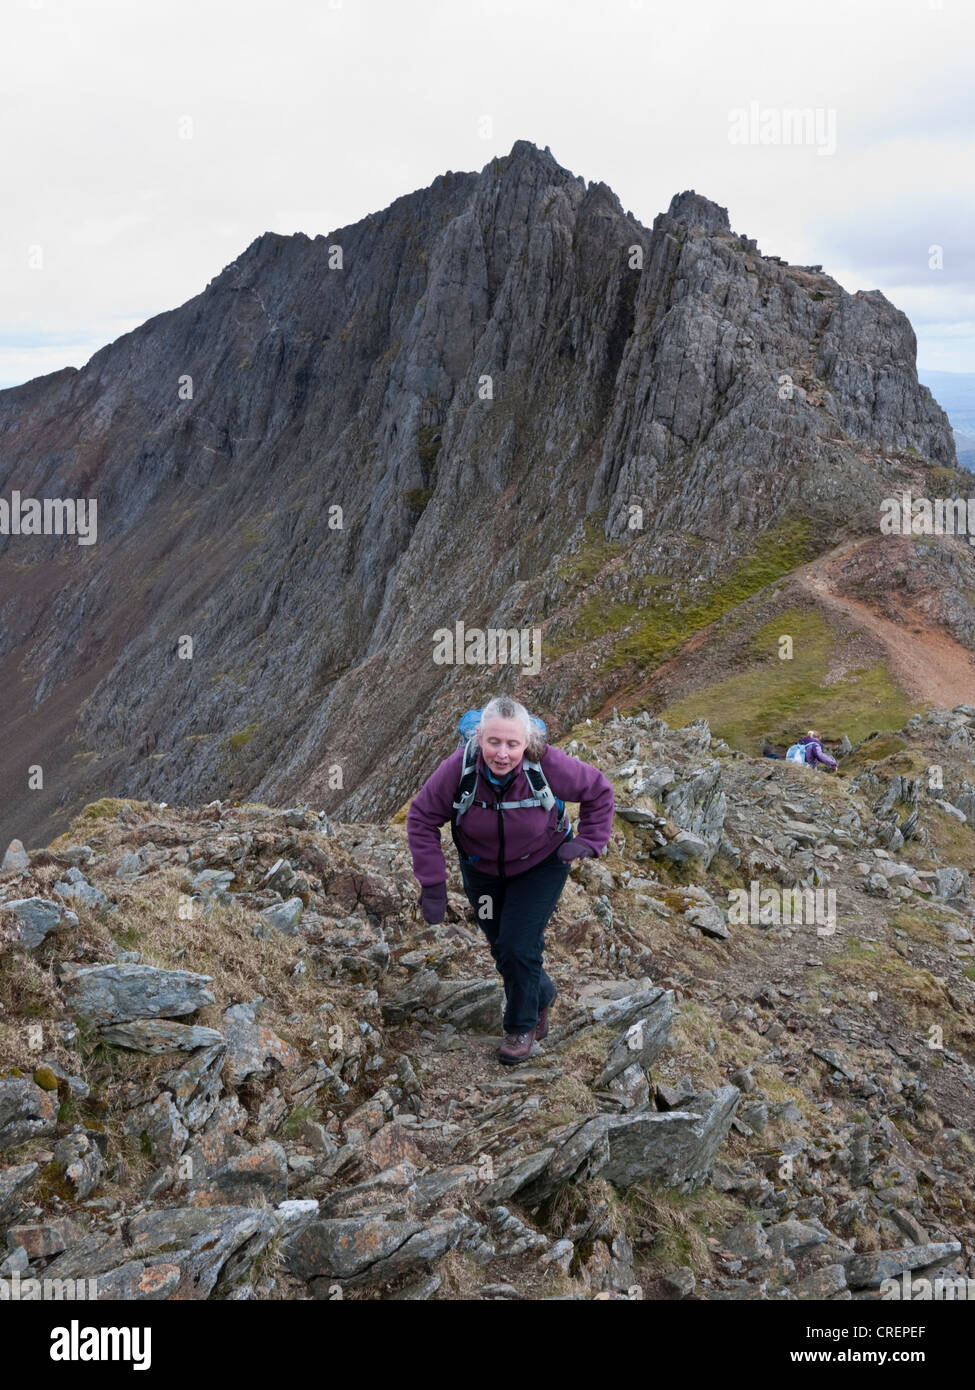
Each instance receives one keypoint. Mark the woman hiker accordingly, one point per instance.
(514, 853)
(815, 752)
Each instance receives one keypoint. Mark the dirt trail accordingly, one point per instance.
(928, 663)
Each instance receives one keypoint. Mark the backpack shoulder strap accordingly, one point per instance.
(539, 785)
(468, 780)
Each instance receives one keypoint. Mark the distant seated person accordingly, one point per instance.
(809, 750)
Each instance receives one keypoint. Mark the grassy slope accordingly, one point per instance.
(770, 696)
(778, 697)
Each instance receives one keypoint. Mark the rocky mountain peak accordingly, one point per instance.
(527, 151)
(694, 210)
(503, 366)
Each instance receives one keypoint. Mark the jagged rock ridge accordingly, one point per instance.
(364, 387)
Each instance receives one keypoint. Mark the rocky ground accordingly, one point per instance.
(237, 1064)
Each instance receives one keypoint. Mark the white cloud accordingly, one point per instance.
(312, 115)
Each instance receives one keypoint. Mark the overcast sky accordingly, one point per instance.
(305, 115)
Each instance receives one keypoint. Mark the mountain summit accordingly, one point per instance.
(501, 401)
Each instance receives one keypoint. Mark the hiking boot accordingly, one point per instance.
(516, 1047)
(541, 1027)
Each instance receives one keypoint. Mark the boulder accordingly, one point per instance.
(470, 1005)
(15, 858)
(746, 1240)
(580, 1151)
(248, 1178)
(519, 1174)
(43, 1239)
(159, 1035)
(710, 919)
(77, 854)
(138, 1282)
(369, 1250)
(683, 847)
(210, 1247)
(643, 1041)
(213, 884)
(821, 1283)
(870, 1271)
(632, 1087)
(285, 916)
(15, 1182)
(796, 1237)
(216, 1142)
(638, 815)
(950, 883)
(675, 1097)
(75, 888)
(36, 917)
(253, 1049)
(196, 1085)
(79, 1163)
(159, 1126)
(120, 993)
(674, 1147)
(698, 805)
(295, 1213)
(26, 1111)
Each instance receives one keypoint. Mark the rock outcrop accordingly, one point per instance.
(788, 1075)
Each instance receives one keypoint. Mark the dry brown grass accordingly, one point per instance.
(923, 924)
(919, 997)
(240, 964)
(576, 1202)
(865, 1237)
(569, 1099)
(679, 1224)
(28, 996)
(461, 1275)
(693, 1028)
(585, 1056)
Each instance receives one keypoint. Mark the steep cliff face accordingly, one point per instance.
(487, 379)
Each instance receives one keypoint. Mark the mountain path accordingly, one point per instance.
(928, 663)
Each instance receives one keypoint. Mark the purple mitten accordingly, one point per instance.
(433, 902)
(574, 849)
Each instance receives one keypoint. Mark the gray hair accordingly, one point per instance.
(504, 707)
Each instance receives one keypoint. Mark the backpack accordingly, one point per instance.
(467, 785)
(796, 754)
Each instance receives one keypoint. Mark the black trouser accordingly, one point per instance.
(513, 913)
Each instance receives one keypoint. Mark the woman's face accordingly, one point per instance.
(502, 742)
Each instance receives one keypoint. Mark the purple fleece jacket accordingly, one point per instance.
(816, 753)
(530, 833)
